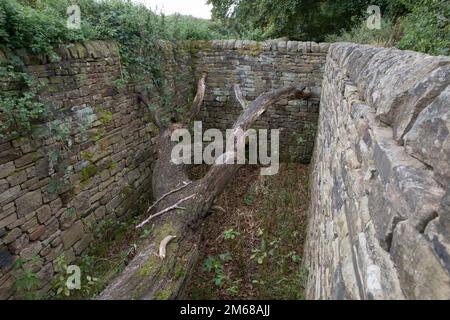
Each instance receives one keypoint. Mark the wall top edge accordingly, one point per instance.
(96, 49)
(269, 45)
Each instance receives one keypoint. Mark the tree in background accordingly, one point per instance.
(296, 19)
(421, 25)
(427, 26)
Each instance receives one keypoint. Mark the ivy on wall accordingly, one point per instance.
(38, 26)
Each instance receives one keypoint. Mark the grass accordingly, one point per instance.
(258, 253)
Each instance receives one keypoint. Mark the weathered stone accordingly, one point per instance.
(28, 203)
(9, 155)
(44, 213)
(27, 159)
(35, 235)
(19, 244)
(414, 195)
(67, 218)
(31, 251)
(72, 235)
(6, 169)
(8, 220)
(114, 204)
(429, 138)
(421, 273)
(379, 226)
(409, 105)
(17, 178)
(7, 288)
(10, 194)
(4, 185)
(42, 168)
(12, 236)
(444, 213)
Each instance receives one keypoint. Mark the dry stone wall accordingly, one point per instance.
(380, 208)
(380, 212)
(259, 67)
(91, 165)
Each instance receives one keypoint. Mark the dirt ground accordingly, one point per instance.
(254, 249)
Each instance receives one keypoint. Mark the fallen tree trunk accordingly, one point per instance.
(181, 207)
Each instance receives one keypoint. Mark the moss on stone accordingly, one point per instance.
(86, 155)
(253, 49)
(88, 172)
(98, 135)
(106, 117)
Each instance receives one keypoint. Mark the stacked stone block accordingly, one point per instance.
(380, 187)
(107, 154)
(259, 67)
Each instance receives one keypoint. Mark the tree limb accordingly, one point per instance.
(221, 172)
(265, 100)
(198, 100)
(185, 184)
(144, 280)
(240, 97)
(173, 207)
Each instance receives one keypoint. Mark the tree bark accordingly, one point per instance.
(149, 276)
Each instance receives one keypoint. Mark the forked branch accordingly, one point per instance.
(176, 206)
(184, 185)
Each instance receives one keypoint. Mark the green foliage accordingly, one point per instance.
(421, 25)
(361, 34)
(88, 172)
(39, 26)
(427, 27)
(19, 110)
(296, 19)
(215, 264)
(414, 25)
(230, 234)
(27, 281)
(178, 27)
(60, 290)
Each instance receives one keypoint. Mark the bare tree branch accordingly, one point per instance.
(198, 100)
(240, 97)
(185, 184)
(264, 101)
(176, 206)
